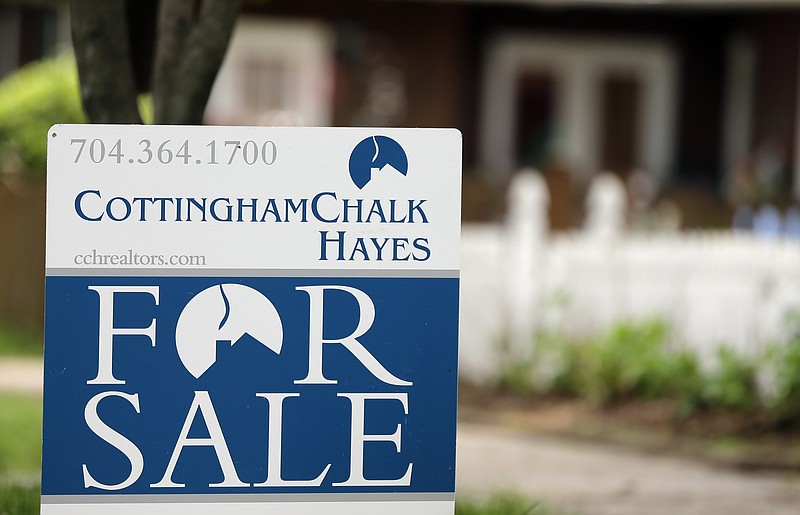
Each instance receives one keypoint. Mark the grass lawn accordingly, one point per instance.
(20, 434)
(19, 500)
(503, 504)
(17, 342)
(20, 453)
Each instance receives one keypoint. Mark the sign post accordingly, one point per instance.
(251, 320)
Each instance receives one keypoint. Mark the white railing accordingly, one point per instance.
(714, 288)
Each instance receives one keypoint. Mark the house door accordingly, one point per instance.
(620, 98)
(535, 116)
(594, 104)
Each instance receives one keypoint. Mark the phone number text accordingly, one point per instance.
(186, 152)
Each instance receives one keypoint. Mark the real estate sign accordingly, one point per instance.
(249, 319)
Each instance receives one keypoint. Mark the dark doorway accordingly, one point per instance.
(534, 123)
(620, 130)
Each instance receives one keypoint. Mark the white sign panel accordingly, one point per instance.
(247, 319)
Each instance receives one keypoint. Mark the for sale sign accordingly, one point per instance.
(250, 320)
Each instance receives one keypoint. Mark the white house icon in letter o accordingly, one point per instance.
(225, 312)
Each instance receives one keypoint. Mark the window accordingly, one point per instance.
(275, 73)
(600, 102)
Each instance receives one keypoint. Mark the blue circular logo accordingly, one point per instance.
(376, 154)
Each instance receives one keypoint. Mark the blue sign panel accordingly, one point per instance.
(148, 393)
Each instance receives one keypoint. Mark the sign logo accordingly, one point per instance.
(376, 154)
(224, 313)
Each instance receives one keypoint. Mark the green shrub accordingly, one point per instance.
(785, 364)
(636, 360)
(632, 360)
(732, 385)
(31, 100)
(569, 374)
(516, 368)
(517, 377)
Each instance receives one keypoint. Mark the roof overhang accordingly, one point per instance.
(639, 4)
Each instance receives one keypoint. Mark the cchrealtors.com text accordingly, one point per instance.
(131, 258)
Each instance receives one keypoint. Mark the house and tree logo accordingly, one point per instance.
(376, 154)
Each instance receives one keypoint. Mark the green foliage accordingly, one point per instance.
(19, 499)
(146, 109)
(732, 385)
(571, 357)
(501, 504)
(31, 100)
(636, 360)
(516, 371)
(785, 361)
(18, 342)
(632, 360)
(517, 378)
(20, 434)
(629, 361)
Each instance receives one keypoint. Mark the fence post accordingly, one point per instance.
(606, 213)
(527, 227)
(606, 205)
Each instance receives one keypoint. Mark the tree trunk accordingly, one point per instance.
(192, 38)
(102, 51)
(190, 48)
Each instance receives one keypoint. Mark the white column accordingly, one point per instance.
(498, 111)
(657, 112)
(578, 113)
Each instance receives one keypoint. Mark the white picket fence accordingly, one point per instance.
(714, 288)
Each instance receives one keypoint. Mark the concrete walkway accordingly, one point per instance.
(21, 375)
(577, 477)
(590, 478)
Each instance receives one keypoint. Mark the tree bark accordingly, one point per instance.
(190, 48)
(102, 51)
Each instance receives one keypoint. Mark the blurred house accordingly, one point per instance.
(700, 92)
(693, 92)
(30, 30)
(683, 95)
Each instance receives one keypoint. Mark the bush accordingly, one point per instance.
(732, 385)
(785, 361)
(31, 101)
(632, 360)
(569, 374)
(636, 360)
(516, 371)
